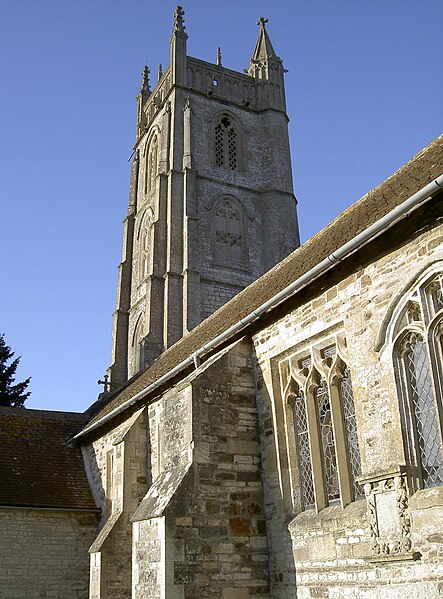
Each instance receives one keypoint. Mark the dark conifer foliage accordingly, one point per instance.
(12, 395)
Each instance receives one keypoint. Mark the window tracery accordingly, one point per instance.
(145, 247)
(303, 451)
(228, 232)
(226, 141)
(418, 361)
(151, 164)
(325, 428)
(138, 346)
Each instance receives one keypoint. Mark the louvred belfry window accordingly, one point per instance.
(418, 358)
(226, 143)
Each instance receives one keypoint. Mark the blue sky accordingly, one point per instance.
(364, 94)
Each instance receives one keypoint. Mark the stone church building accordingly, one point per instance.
(272, 420)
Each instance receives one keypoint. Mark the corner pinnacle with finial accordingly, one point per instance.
(219, 58)
(178, 19)
(144, 87)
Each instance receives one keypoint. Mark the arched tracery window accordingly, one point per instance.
(228, 232)
(226, 143)
(325, 430)
(303, 450)
(145, 247)
(418, 359)
(138, 346)
(151, 164)
(350, 426)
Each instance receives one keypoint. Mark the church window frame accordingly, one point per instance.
(322, 428)
(151, 162)
(138, 348)
(417, 350)
(227, 142)
(144, 245)
(229, 233)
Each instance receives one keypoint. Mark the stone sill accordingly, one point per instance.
(401, 557)
(330, 519)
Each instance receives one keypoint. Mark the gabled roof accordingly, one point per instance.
(421, 170)
(37, 468)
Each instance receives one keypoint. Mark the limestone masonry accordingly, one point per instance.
(273, 423)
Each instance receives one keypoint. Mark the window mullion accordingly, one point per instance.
(321, 500)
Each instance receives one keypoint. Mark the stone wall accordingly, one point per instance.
(389, 543)
(44, 553)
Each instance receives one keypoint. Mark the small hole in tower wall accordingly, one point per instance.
(215, 82)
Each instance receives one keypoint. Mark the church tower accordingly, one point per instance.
(211, 203)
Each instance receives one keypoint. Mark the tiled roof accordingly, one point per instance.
(37, 468)
(421, 170)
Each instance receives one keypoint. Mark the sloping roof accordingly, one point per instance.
(37, 468)
(421, 170)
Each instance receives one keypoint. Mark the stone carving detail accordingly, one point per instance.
(228, 232)
(438, 330)
(391, 542)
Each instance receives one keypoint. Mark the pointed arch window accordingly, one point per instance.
(226, 143)
(303, 450)
(138, 347)
(327, 444)
(350, 426)
(418, 366)
(151, 164)
(325, 431)
(144, 246)
(229, 238)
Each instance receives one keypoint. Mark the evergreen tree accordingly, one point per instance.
(10, 395)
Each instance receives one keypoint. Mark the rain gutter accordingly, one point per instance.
(399, 212)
